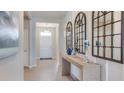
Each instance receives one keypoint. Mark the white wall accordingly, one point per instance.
(109, 70)
(32, 43)
(12, 68)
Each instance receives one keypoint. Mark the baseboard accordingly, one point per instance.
(74, 77)
(26, 66)
(37, 58)
(32, 66)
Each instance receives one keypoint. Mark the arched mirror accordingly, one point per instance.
(69, 35)
(80, 32)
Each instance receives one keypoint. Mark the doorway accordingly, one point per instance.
(47, 45)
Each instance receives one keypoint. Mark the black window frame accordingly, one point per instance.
(112, 47)
(69, 28)
(80, 32)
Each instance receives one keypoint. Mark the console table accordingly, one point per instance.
(90, 71)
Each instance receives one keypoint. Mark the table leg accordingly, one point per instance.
(65, 67)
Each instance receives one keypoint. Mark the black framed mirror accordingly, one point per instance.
(107, 35)
(69, 35)
(80, 32)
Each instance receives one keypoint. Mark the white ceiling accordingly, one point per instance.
(48, 14)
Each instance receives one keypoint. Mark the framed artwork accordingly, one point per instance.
(9, 33)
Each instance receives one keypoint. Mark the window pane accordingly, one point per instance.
(101, 41)
(101, 30)
(75, 30)
(78, 35)
(108, 52)
(81, 29)
(108, 18)
(117, 40)
(108, 29)
(83, 20)
(116, 54)
(108, 41)
(68, 33)
(81, 49)
(101, 51)
(78, 46)
(69, 38)
(84, 35)
(101, 21)
(95, 23)
(117, 27)
(81, 43)
(78, 41)
(95, 14)
(117, 15)
(95, 39)
(95, 32)
(81, 36)
(95, 50)
(69, 43)
(100, 13)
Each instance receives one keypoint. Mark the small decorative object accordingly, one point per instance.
(86, 45)
(69, 51)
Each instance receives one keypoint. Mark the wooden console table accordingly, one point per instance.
(90, 71)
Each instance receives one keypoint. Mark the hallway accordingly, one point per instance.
(70, 46)
(46, 70)
(82, 42)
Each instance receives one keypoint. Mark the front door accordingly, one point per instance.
(46, 45)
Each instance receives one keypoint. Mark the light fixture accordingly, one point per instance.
(45, 33)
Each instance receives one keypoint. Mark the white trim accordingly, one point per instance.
(32, 66)
(106, 66)
(54, 58)
(123, 72)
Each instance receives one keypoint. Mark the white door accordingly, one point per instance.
(46, 44)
